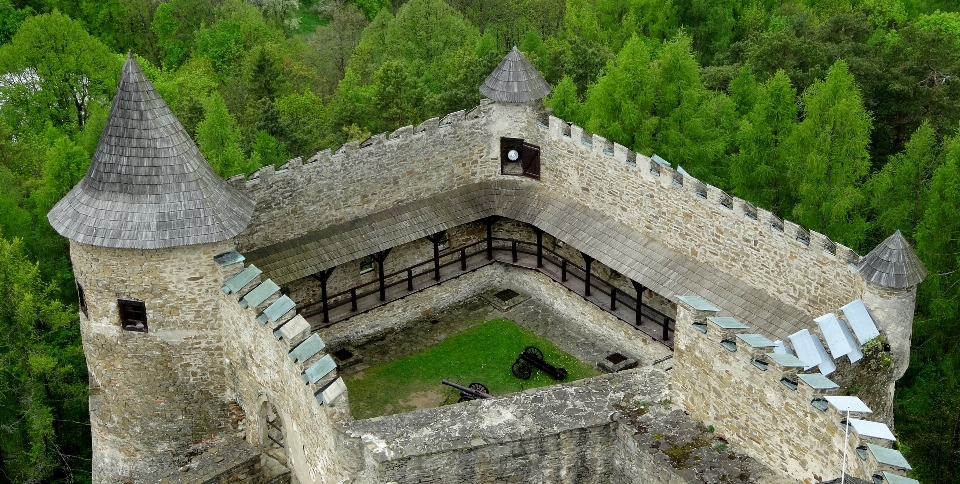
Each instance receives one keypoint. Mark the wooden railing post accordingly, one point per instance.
(586, 279)
(489, 221)
(463, 259)
(353, 299)
(380, 257)
(409, 279)
(640, 290)
(563, 270)
(539, 246)
(666, 328)
(513, 250)
(613, 298)
(435, 238)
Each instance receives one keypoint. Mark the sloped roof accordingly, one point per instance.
(893, 263)
(515, 80)
(148, 186)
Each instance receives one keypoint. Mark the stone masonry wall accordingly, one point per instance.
(260, 373)
(151, 394)
(751, 408)
(556, 434)
(462, 148)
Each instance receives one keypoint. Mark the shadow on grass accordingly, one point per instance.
(480, 354)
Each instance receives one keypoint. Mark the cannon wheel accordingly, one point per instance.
(561, 374)
(521, 370)
(534, 352)
(480, 387)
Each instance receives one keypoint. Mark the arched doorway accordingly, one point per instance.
(272, 437)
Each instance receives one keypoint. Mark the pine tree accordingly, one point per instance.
(898, 192)
(219, 139)
(564, 101)
(832, 158)
(759, 172)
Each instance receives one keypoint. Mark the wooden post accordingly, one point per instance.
(539, 246)
(640, 290)
(379, 257)
(666, 328)
(513, 250)
(586, 279)
(409, 279)
(323, 276)
(435, 238)
(489, 221)
(353, 299)
(613, 298)
(463, 259)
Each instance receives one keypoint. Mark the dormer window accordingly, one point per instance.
(133, 315)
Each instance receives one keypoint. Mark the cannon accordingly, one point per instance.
(476, 391)
(531, 358)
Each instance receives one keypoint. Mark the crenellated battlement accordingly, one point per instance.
(774, 404)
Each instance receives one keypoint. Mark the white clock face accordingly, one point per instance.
(513, 155)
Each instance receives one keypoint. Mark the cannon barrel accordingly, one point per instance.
(466, 390)
(532, 358)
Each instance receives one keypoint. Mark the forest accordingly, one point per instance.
(841, 115)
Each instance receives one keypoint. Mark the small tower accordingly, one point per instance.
(144, 225)
(892, 271)
(516, 89)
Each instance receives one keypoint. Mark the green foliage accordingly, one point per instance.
(302, 114)
(832, 158)
(760, 171)
(58, 68)
(480, 354)
(175, 24)
(10, 19)
(564, 100)
(219, 139)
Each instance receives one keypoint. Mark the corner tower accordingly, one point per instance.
(892, 271)
(144, 225)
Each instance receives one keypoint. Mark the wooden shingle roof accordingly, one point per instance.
(515, 80)
(893, 263)
(148, 186)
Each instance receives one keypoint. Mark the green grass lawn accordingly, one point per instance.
(481, 354)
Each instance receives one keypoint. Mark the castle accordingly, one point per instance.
(210, 308)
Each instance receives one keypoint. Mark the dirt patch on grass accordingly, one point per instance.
(421, 400)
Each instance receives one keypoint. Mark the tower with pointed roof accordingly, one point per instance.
(144, 225)
(516, 90)
(893, 271)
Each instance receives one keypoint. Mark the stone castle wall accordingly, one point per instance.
(751, 408)
(803, 269)
(151, 394)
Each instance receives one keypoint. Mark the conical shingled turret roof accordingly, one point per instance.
(893, 264)
(148, 186)
(515, 80)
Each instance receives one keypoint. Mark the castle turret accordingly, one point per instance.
(892, 271)
(144, 225)
(516, 89)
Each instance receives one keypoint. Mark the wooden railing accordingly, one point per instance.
(454, 262)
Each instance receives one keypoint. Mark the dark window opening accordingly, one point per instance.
(83, 300)
(366, 264)
(519, 158)
(133, 315)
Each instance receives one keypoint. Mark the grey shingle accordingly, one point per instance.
(893, 263)
(515, 80)
(148, 186)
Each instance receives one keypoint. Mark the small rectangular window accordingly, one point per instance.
(133, 315)
(366, 264)
(83, 300)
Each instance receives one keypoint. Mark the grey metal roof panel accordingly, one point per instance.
(320, 369)
(889, 457)
(846, 403)
(515, 80)
(148, 186)
(836, 340)
(698, 303)
(817, 381)
(877, 430)
(275, 311)
(307, 349)
(259, 294)
(727, 322)
(893, 264)
(240, 280)
(860, 320)
(786, 361)
(756, 340)
(898, 479)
